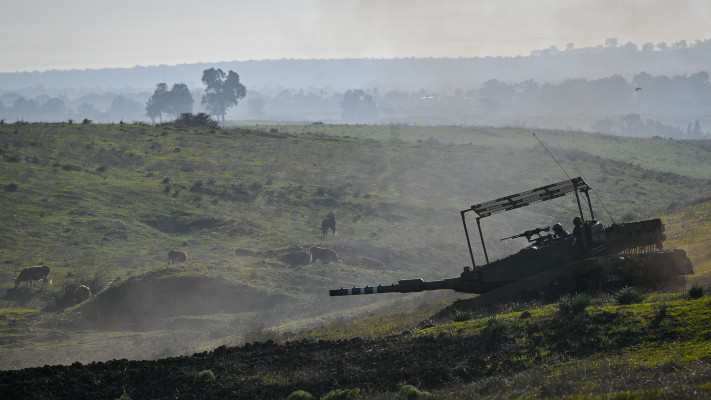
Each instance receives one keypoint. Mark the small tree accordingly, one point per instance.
(157, 104)
(222, 92)
(180, 100)
(172, 102)
(358, 106)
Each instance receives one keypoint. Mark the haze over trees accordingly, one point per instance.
(223, 91)
(173, 102)
(592, 88)
(358, 106)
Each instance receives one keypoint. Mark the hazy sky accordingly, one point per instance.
(67, 34)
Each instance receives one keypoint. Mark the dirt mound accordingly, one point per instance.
(144, 301)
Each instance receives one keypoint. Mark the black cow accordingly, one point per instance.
(36, 273)
(328, 223)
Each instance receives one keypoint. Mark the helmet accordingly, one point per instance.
(577, 221)
(557, 228)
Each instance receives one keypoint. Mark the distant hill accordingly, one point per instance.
(545, 66)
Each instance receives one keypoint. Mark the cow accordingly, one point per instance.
(323, 254)
(177, 256)
(328, 223)
(34, 273)
(82, 293)
(367, 262)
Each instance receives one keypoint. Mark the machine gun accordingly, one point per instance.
(529, 234)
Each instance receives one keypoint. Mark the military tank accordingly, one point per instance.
(556, 262)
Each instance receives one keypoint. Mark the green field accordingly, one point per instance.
(105, 203)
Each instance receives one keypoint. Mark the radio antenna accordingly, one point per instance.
(551, 154)
(581, 174)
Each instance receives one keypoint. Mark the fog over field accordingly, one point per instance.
(575, 64)
(394, 115)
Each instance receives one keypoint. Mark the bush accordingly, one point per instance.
(344, 394)
(696, 292)
(574, 304)
(461, 316)
(629, 295)
(206, 376)
(410, 392)
(200, 120)
(197, 187)
(86, 121)
(300, 395)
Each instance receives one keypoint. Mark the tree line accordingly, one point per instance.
(223, 91)
(645, 105)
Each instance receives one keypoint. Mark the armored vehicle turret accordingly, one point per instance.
(555, 262)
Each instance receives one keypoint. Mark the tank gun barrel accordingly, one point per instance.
(466, 282)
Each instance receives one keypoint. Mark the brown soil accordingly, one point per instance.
(263, 371)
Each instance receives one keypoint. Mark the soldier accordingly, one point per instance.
(559, 232)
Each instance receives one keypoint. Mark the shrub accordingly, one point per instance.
(696, 292)
(461, 316)
(199, 120)
(206, 376)
(70, 167)
(197, 187)
(337, 191)
(629, 295)
(574, 304)
(10, 187)
(342, 394)
(86, 121)
(411, 392)
(300, 395)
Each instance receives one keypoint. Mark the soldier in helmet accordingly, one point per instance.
(559, 232)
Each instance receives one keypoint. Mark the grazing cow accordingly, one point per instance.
(323, 254)
(82, 293)
(177, 256)
(328, 223)
(245, 253)
(35, 273)
(367, 262)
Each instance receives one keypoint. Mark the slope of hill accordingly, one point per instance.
(656, 348)
(105, 203)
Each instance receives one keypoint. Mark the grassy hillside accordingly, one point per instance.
(105, 203)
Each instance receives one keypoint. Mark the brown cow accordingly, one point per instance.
(323, 254)
(367, 262)
(177, 256)
(82, 293)
(35, 273)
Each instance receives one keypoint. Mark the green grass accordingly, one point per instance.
(604, 351)
(109, 201)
